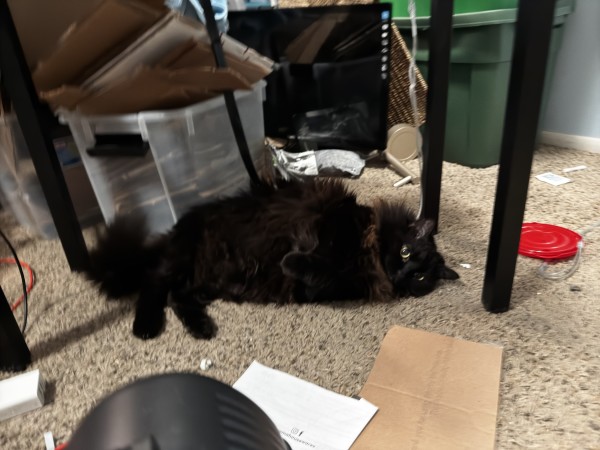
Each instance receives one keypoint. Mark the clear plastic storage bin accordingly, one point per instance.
(160, 163)
(21, 192)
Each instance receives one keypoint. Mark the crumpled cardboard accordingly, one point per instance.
(149, 89)
(153, 58)
(38, 35)
(196, 53)
(433, 392)
(89, 44)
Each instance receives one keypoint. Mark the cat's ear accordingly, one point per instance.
(446, 273)
(424, 227)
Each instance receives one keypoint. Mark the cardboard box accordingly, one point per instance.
(40, 24)
(146, 66)
(150, 89)
(433, 392)
(39, 35)
(89, 44)
(196, 53)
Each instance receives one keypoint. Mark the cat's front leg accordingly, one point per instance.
(150, 310)
(194, 317)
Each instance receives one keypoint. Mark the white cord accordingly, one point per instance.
(412, 77)
(561, 275)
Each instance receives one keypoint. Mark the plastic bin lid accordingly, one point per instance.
(545, 241)
(487, 17)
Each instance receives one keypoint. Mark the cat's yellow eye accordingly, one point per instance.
(405, 253)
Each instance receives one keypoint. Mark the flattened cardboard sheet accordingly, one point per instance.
(118, 60)
(147, 89)
(90, 43)
(195, 53)
(433, 392)
(37, 34)
(170, 31)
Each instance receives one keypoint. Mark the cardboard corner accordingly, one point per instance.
(133, 55)
(67, 97)
(171, 89)
(93, 40)
(432, 391)
(197, 53)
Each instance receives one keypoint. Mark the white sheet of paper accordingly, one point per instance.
(308, 416)
(553, 179)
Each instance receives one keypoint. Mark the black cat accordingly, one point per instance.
(294, 242)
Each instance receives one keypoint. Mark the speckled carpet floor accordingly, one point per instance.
(550, 388)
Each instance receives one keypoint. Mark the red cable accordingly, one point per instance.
(61, 447)
(26, 266)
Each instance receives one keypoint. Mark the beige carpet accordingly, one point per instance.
(550, 392)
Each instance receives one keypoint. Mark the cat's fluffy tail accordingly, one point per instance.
(123, 257)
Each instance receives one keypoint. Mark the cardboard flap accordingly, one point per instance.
(209, 78)
(111, 62)
(152, 88)
(168, 33)
(432, 391)
(194, 53)
(37, 34)
(87, 45)
(64, 97)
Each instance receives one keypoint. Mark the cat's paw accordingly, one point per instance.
(295, 265)
(201, 326)
(148, 326)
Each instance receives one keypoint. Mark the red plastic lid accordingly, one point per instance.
(544, 241)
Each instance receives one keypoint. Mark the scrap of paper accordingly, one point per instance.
(308, 416)
(553, 179)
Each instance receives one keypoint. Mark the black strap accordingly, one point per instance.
(232, 109)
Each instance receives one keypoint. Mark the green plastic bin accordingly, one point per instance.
(480, 61)
(400, 7)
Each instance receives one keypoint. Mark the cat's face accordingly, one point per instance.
(411, 261)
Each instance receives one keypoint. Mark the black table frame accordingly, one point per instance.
(532, 38)
(531, 46)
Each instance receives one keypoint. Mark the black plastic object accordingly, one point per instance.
(330, 89)
(230, 104)
(14, 353)
(119, 145)
(175, 412)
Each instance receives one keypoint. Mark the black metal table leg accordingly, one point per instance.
(33, 119)
(14, 353)
(440, 36)
(532, 41)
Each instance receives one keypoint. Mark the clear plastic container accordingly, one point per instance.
(196, 152)
(20, 190)
(192, 157)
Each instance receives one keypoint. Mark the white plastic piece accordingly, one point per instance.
(49, 440)
(574, 169)
(465, 265)
(403, 181)
(21, 393)
(553, 179)
(206, 364)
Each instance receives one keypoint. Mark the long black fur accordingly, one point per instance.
(295, 242)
